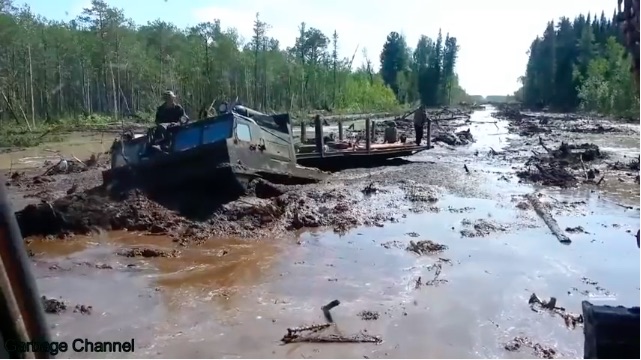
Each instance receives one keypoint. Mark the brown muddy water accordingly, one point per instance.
(234, 298)
(78, 144)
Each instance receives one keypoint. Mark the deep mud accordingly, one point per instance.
(464, 296)
(73, 201)
(327, 206)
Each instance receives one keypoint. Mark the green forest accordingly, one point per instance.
(102, 66)
(581, 64)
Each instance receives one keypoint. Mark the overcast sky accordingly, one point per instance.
(494, 35)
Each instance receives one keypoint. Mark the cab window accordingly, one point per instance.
(243, 132)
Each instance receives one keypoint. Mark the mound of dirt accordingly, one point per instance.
(425, 247)
(577, 152)
(148, 253)
(53, 306)
(480, 228)
(597, 129)
(192, 216)
(550, 174)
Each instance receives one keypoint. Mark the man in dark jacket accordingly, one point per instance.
(420, 119)
(170, 112)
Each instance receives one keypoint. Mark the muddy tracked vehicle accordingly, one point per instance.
(225, 152)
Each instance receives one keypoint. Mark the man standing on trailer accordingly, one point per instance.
(420, 119)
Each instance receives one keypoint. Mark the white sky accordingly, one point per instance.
(493, 35)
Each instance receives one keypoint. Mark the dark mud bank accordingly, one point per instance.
(192, 215)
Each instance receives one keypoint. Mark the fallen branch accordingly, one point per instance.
(333, 338)
(543, 145)
(310, 334)
(60, 163)
(571, 320)
(600, 180)
(79, 161)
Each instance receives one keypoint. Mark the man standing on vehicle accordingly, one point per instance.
(420, 119)
(170, 111)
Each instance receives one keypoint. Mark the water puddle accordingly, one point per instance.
(79, 144)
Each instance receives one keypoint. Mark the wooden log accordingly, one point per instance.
(547, 218)
(340, 130)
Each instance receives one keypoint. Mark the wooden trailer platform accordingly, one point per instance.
(359, 155)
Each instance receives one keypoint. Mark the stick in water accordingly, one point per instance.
(327, 308)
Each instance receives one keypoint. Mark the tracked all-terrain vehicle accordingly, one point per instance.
(226, 152)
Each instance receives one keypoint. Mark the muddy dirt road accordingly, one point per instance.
(229, 297)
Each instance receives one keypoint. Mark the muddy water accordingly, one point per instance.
(79, 144)
(232, 298)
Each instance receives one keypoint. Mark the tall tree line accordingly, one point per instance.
(425, 74)
(580, 64)
(101, 62)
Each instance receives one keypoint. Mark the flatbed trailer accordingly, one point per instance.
(347, 155)
(357, 157)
